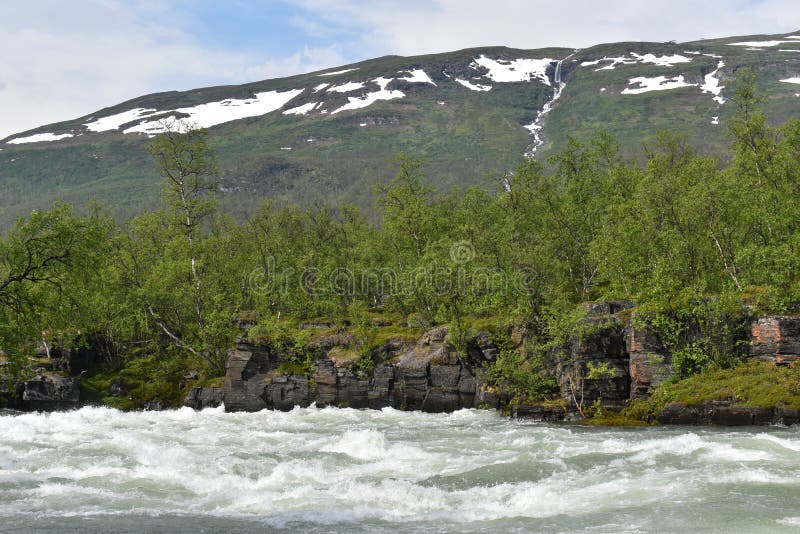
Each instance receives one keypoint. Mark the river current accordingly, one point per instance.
(343, 470)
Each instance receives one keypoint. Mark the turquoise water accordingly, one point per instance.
(345, 470)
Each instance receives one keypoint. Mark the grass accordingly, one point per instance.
(754, 384)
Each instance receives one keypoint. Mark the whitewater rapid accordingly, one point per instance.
(342, 470)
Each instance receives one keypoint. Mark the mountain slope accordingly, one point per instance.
(473, 114)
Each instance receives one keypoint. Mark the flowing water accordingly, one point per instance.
(342, 470)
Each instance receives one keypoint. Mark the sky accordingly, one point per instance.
(64, 59)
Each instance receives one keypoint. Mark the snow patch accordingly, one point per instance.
(286, 148)
(761, 44)
(474, 86)
(38, 138)
(517, 70)
(659, 83)
(113, 122)
(346, 87)
(320, 87)
(334, 73)
(301, 110)
(715, 120)
(791, 80)
(416, 76)
(711, 84)
(370, 98)
(231, 109)
(661, 61)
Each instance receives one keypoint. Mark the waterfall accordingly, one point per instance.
(536, 126)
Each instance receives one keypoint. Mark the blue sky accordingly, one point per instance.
(65, 58)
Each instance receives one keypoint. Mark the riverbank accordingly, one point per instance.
(614, 370)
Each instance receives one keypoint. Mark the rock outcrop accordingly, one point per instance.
(43, 392)
(594, 367)
(650, 360)
(200, 398)
(726, 414)
(426, 375)
(775, 339)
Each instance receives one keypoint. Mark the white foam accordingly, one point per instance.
(231, 109)
(417, 76)
(474, 86)
(346, 87)
(341, 469)
(38, 138)
(113, 122)
(370, 98)
(658, 83)
(360, 444)
(711, 84)
(516, 70)
(334, 73)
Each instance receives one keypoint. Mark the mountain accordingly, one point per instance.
(472, 114)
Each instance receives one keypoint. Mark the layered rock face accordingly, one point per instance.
(427, 375)
(775, 339)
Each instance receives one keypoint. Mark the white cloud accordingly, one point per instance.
(63, 60)
(416, 26)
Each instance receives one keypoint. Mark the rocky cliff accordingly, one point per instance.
(614, 359)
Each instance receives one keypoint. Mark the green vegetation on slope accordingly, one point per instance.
(678, 233)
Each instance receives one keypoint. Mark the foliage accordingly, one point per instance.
(748, 384)
(692, 240)
(522, 373)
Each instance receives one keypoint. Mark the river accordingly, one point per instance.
(344, 470)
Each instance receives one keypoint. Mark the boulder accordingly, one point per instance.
(48, 392)
(199, 398)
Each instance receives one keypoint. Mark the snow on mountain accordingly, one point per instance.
(334, 73)
(711, 84)
(517, 70)
(370, 98)
(661, 61)
(761, 44)
(474, 86)
(213, 113)
(113, 122)
(658, 83)
(302, 110)
(791, 80)
(416, 76)
(346, 87)
(37, 138)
